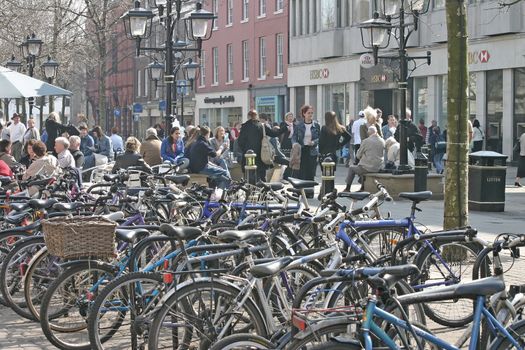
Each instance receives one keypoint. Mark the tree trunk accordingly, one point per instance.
(456, 170)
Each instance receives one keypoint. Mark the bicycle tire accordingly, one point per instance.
(381, 241)
(322, 335)
(502, 343)
(39, 279)
(54, 331)
(441, 311)
(121, 285)
(180, 300)
(243, 341)
(13, 271)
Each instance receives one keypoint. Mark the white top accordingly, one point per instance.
(17, 132)
(355, 130)
(307, 134)
(66, 159)
(477, 135)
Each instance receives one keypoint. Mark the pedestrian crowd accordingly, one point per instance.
(293, 148)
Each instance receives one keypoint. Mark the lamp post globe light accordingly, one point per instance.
(50, 69)
(198, 24)
(375, 35)
(14, 64)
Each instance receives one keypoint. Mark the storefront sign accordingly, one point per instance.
(366, 61)
(475, 57)
(379, 78)
(322, 73)
(266, 101)
(220, 99)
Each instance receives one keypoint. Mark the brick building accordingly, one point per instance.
(244, 63)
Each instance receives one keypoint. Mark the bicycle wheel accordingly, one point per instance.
(65, 305)
(517, 331)
(42, 271)
(321, 334)
(198, 312)
(12, 274)
(451, 263)
(115, 319)
(243, 341)
(380, 242)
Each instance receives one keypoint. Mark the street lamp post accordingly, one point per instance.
(198, 25)
(31, 49)
(375, 35)
(50, 70)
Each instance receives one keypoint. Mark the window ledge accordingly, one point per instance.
(261, 78)
(245, 80)
(278, 12)
(245, 20)
(228, 25)
(280, 76)
(261, 16)
(214, 84)
(201, 86)
(215, 29)
(229, 82)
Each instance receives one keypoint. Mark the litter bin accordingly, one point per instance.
(420, 172)
(487, 177)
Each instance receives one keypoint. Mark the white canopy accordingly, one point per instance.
(17, 85)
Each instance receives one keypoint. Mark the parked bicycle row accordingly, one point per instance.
(170, 265)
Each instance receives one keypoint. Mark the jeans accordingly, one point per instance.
(221, 162)
(438, 162)
(218, 174)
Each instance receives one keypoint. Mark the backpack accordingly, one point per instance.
(267, 151)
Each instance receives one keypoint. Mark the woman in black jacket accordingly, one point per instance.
(250, 138)
(131, 157)
(54, 129)
(333, 137)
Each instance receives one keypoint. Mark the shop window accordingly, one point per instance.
(518, 124)
(494, 110)
(472, 91)
(442, 105)
(330, 14)
(361, 11)
(421, 100)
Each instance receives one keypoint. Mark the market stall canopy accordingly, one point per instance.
(17, 85)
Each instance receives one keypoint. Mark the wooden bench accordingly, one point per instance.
(403, 183)
(200, 179)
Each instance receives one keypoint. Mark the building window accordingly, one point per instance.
(262, 8)
(229, 53)
(330, 14)
(262, 58)
(518, 125)
(215, 8)
(361, 11)
(245, 61)
(139, 83)
(494, 110)
(279, 45)
(245, 8)
(215, 54)
(146, 83)
(420, 99)
(472, 91)
(279, 5)
(229, 12)
(203, 69)
(443, 90)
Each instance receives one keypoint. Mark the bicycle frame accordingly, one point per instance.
(369, 327)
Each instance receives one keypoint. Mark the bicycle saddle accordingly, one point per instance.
(111, 177)
(299, 184)
(42, 203)
(42, 182)
(68, 206)
(416, 196)
(467, 290)
(178, 179)
(183, 233)
(19, 206)
(270, 268)
(16, 218)
(240, 236)
(131, 236)
(358, 196)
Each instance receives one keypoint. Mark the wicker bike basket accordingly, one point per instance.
(77, 237)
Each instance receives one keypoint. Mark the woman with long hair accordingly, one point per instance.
(333, 137)
(477, 136)
(172, 149)
(307, 134)
(219, 142)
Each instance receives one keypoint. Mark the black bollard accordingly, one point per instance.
(328, 176)
(250, 168)
(420, 172)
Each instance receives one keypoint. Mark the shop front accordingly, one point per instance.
(221, 109)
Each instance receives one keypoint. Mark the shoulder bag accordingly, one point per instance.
(267, 152)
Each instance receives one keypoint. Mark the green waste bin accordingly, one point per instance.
(487, 177)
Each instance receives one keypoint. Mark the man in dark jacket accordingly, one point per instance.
(54, 129)
(131, 157)
(198, 154)
(414, 138)
(250, 138)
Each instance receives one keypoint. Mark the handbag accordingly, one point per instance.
(267, 151)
